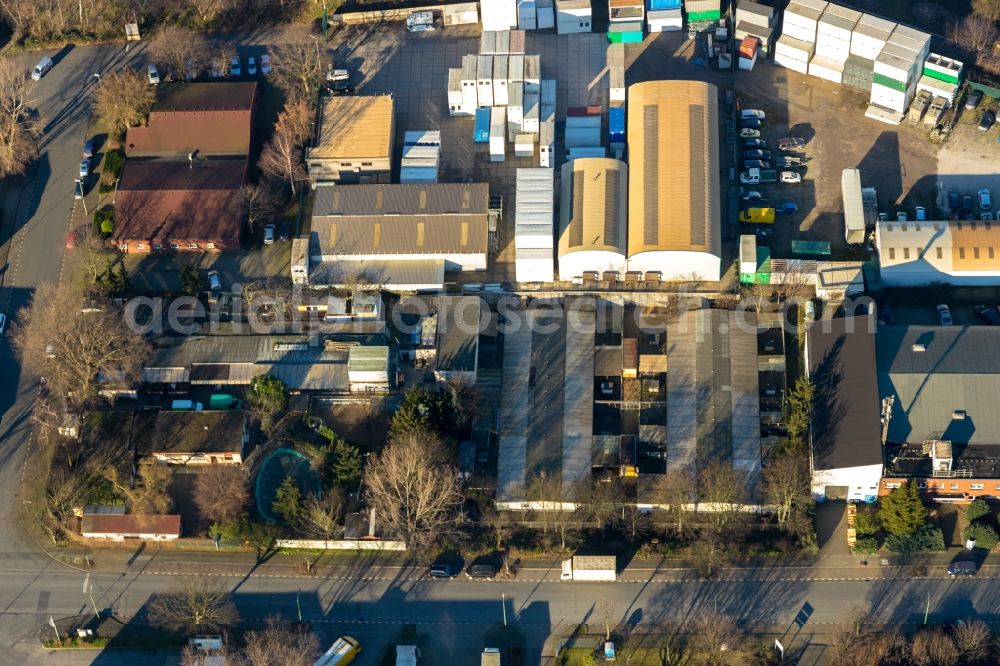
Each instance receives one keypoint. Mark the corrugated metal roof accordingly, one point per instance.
(354, 127)
(578, 401)
(459, 319)
(534, 203)
(130, 524)
(188, 432)
(417, 220)
(367, 358)
(673, 149)
(592, 213)
(514, 400)
(392, 275)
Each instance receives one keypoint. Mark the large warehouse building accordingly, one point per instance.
(958, 252)
(674, 222)
(592, 217)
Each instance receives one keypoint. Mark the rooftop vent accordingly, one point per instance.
(919, 347)
(958, 415)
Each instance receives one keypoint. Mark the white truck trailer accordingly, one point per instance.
(591, 568)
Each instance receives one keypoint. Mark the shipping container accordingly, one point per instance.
(548, 92)
(616, 82)
(616, 124)
(498, 134)
(515, 103)
(464, 14)
(787, 48)
(500, 80)
(488, 42)
(577, 152)
(572, 16)
(515, 72)
(625, 32)
(513, 129)
(517, 40)
(837, 22)
(664, 20)
(943, 69)
(547, 143)
(824, 68)
(481, 132)
(582, 137)
(664, 4)
(498, 14)
(532, 74)
(530, 120)
(524, 145)
(870, 35)
(546, 14)
(756, 14)
(748, 47)
(456, 94)
(484, 80)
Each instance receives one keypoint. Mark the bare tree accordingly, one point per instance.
(414, 490)
(722, 491)
(323, 517)
(605, 500)
(786, 484)
(280, 643)
(973, 640)
(124, 99)
(76, 351)
(282, 155)
(258, 205)
(149, 495)
(221, 493)
(678, 491)
(758, 297)
(194, 606)
(716, 639)
(298, 118)
(933, 647)
(91, 254)
(545, 491)
(192, 656)
(977, 33)
(298, 69)
(987, 8)
(18, 119)
(180, 52)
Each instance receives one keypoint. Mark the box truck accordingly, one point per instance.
(590, 568)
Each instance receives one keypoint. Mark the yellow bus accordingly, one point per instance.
(343, 651)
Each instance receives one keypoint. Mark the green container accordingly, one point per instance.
(703, 16)
(811, 248)
(941, 76)
(884, 80)
(625, 37)
(223, 401)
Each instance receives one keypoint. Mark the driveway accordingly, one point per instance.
(159, 273)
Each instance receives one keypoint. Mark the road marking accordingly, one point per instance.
(86, 580)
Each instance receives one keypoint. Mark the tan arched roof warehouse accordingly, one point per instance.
(673, 147)
(592, 216)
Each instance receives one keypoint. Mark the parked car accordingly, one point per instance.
(749, 133)
(341, 88)
(987, 315)
(268, 234)
(953, 200)
(214, 281)
(754, 143)
(84, 169)
(153, 74)
(986, 122)
(481, 571)
(337, 75)
(791, 143)
(747, 114)
(284, 231)
(966, 203)
(88, 148)
(265, 64)
(252, 66)
(962, 568)
(756, 154)
(985, 201)
(756, 164)
(787, 207)
(986, 216)
(442, 571)
(752, 196)
(752, 123)
(901, 216)
(43, 66)
(973, 100)
(920, 214)
(235, 69)
(944, 315)
(790, 177)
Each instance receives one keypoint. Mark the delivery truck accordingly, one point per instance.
(590, 568)
(758, 176)
(757, 216)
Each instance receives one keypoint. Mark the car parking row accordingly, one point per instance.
(217, 69)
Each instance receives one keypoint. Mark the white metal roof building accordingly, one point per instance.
(674, 223)
(421, 155)
(534, 238)
(854, 212)
(957, 252)
(592, 217)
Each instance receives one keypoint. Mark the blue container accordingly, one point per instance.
(616, 119)
(482, 131)
(616, 137)
(664, 4)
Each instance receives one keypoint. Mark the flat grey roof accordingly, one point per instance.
(458, 333)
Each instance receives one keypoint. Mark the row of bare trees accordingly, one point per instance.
(869, 642)
(19, 127)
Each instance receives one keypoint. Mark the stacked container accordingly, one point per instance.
(516, 42)
(867, 40)
(701, 14)
(616, 129)
(498, 14)
(481, 132)
(470, 94)
(583, 127)
(515, 103)
(664, 15)
(534, 244)
(833, 42)
(421, 157)
(546, 14)
(749, 48)
(794, 54)
(463, 14)
(484, 80)
(616, 74)
(530, 121)
(527, 15)
(524, 145)
(500, 80)
(572, 16)
(532, 74)
(625, 21)
(756, 20)
(498, 138)
(941, 76)
(488, 42)
(895, 68)
(456, 98)
(547, 123)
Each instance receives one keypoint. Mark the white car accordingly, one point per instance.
(752, 195)
(985, 202)
(269, 234)
(901, 216)
(751, 113)
(153, 74)
(333, 75)
(790, 177)
(252, 66)
(265, 64)
(944, 314)
(234, 66)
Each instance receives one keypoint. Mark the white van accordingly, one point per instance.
(44, 65)
(186, 406)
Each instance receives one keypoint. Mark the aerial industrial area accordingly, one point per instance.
(511, 332)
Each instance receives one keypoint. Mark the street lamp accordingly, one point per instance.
(79, 186)
(315, 39)
(98, 77)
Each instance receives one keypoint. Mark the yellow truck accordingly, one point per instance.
(757, 216)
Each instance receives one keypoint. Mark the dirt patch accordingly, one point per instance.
(363, 423)
(181, 491)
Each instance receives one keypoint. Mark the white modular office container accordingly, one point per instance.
(532, 74)
(456, 99)
(524, 145)
(545, 13)
(421, 157)
(870, 35)
(943, 68)
(534, 265)
(548, 92)
(897, 65)
(531, 113)
(938, 88)
(800, 20)
(515, 103)
(664, 20)
(498, 14)
(572, 16)
(889, 98)
(547, 142)
(470, 94)
(498, 134)
(500, 80)
(792, 54)
(616, 82)
(503, 42)
(517, 42)
(527, 15)
(915, 40)
(513, 129)
(827, 69)
(515, 72)
(837, 22)
(463, 14)
(756, 13)
(488, 42)
(484, 80)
